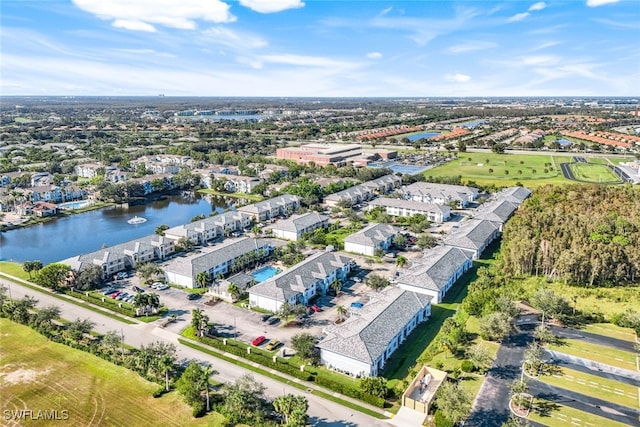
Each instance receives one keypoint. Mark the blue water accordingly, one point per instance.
(265, 273)
(473, 123)
(564, 142)
(399, 167)
(425, 135)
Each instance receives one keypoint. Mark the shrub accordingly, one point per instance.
(158, 392)
(199, 409)
(466, 366)
(441, 420)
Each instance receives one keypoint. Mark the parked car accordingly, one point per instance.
(138, 289)
(156, 284)
(265, 317)
(315, 308)
(273, 344)
(162, 287)
(108, 291)
(259, 340)
(115, 294)
(192, 297)
(273, 321)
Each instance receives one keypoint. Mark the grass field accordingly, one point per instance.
(552, 414)
(43, 375)
(595, 386)
(504, 169)
(605, 301)
(610, 330)
(598, 353)
(592, 172)
(13, 269)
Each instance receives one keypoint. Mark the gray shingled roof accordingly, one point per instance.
(435, 268)
(410, 204)
(440, 191)
(372, 234)
(515, 195)
(300, 277)
(366, 336)
(496, 211)
(296, 223)
(472, 235)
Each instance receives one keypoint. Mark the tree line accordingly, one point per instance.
(585, 235)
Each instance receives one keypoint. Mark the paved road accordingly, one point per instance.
(321, 412)
(566, 171)
(590, 338)
(491, 407)
(587, 404)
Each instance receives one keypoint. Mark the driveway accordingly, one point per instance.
(590, 338)
(491, 407)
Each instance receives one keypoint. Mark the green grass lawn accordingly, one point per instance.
(593, 385)
(14, 269)
(555, 415)
(591, 172)
(610, 330)
(41, 375)
(598, 353)
(605, 301)
(504, 169)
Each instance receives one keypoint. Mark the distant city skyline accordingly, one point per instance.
(319, 48)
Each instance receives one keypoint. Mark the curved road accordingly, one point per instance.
(321, 412)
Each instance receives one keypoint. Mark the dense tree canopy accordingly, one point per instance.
(583, 234)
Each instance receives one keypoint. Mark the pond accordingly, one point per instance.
(87, 232)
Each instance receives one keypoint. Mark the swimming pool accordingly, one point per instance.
(264, 273)
(74, 205)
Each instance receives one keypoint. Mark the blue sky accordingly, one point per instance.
(320, 48)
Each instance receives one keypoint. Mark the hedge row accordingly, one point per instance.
(258, 358)
(108, 303)
(287, 368)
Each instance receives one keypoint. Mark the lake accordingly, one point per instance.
(87, 232)
(425, 135)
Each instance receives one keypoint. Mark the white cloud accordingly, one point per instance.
(233, 39)
(459, 78)
(537, 6)
(271, 6)
(128, 24)
(596, 3)
(374, 55)
(471, 46)
(308, 61)
(145, 15)
(518, 17)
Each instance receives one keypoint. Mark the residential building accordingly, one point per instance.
(283, 205)
(406, 208)
(366, 340)
(321, 154)
(162, 163)
(515, 195)
(436, 272)
(124, 256)
(236, 183)
(364, 192)
(220, 259)
(473, 236)
(496, 211)
(301, 282)
(441, 194)
(371, 238)
(294, 227)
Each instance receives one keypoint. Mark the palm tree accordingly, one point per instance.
(207, 371)
(202, 279)
(341, 312)
(166, 364)
(401, 261)
(336, 285)
(234, 291)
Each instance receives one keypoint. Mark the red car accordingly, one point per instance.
(258, 340)
(315, 308)
(115, 294)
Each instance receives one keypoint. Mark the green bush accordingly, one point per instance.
(199, 409)
(441, 420)
(466, 366)
(158, 392)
